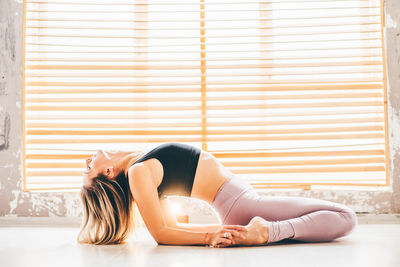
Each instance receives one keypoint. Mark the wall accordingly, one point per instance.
(14, 202)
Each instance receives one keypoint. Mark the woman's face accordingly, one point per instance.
(99, 163)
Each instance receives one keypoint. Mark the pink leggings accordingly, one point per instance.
(298, 218)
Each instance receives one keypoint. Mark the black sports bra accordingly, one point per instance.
(179, 163)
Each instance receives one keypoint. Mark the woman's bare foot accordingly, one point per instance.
(257, 233)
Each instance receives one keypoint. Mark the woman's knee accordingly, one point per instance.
(350, 221)
(344, 224)
(352, 218)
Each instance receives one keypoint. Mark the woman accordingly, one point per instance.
(114, 181)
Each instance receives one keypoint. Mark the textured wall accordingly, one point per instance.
(393, 69)
(14, 202)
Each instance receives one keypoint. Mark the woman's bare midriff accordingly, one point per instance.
(210, 175)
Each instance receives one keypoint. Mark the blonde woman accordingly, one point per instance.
(113, 181)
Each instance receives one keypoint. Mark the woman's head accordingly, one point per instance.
(103, 163)
(107, 210)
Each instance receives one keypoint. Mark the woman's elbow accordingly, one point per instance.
(159, 240)
(161, 237)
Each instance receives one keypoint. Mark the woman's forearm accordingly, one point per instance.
(204, 234)
(198, 227)
(180, 236)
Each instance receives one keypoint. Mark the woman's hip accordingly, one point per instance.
(229, 194)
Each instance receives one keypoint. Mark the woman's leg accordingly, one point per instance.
(298, 218)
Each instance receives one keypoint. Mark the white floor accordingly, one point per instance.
(368, 245)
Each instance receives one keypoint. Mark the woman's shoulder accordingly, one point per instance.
(138, 169)
(142, 172)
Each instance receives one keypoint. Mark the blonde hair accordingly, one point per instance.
(108, 211)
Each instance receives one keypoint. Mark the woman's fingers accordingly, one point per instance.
(235, 233)
(223, 238)
(227, 234)
(236, 227)
(223, 242)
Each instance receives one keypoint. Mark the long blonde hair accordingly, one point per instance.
(108, 211)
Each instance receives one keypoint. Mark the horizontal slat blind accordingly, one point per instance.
(284, 93)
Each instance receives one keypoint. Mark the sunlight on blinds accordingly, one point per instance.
(283, 92)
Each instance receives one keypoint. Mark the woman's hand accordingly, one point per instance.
(225, 236)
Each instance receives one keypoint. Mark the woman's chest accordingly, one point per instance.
(156, 169)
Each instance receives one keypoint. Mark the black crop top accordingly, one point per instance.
(179, 163)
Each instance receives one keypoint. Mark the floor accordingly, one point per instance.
(368, 245)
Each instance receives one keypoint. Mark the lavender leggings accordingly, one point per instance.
(298, 218)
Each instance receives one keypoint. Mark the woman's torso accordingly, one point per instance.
(209, 175)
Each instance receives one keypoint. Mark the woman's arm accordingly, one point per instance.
(171, 221)
(146, 197)
(199, 227)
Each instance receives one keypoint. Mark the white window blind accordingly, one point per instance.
(284, 93)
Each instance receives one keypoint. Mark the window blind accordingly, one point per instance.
(284, 93)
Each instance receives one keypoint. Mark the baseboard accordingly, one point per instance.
(13, 221)
(370, 218)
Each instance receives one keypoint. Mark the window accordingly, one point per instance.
(285, 93)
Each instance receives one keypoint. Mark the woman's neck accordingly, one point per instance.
(127, 159)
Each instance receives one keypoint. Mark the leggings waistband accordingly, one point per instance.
(228, 194)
